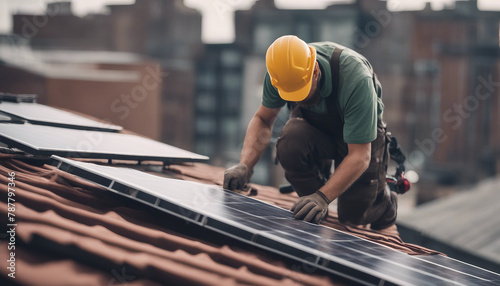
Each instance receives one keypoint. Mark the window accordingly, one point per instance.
(206, 125)
(230, 58)
(205, 147)
(266, 33)
(230, 131)
(206, 78)
(206, 101)
(231, 81)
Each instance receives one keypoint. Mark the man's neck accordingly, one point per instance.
(321, 81)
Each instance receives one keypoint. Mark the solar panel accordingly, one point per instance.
(45, 115)
(47, 140)
(274, 229)
(459, 265)
(18, 97)
(5, 118)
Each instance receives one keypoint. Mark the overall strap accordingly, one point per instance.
(333, 100)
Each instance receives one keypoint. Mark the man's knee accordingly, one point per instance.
(349, 220)
(351, 216)
(293, 145)
(294, 130)
(354, 205)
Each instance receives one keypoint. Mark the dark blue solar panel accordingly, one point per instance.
(45, 115)
(10, 97)
(274, 229)
(460, 266)
(48, 140)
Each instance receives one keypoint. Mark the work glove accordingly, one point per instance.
(312, 208)
(236, 177)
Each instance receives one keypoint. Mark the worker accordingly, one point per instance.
(336, 110)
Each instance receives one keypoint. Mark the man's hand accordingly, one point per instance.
(312, 208)
(236, 177)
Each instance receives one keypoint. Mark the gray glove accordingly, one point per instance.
(312, 208)
(236, 177)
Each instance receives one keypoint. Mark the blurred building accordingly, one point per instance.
(258, 27)
(439, 90)
(148, 27)
(122, 88)
(455, 67)
(171, 33)
(218, 102)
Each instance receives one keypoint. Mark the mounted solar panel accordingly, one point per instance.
(5, 118)
(274, 229)
(449, 262)
(10, 97)
(45, 115)
(47, 140)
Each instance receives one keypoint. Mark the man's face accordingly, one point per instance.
(313, 96)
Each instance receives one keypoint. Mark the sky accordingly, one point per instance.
(218, 26)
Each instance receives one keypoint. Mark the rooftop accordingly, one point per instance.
(467, 221)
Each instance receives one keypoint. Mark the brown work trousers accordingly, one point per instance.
(306, 154)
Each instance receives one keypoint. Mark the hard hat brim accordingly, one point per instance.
(302, 93)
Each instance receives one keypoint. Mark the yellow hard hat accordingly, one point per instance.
(290, 63)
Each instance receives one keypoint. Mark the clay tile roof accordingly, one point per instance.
(72, 232)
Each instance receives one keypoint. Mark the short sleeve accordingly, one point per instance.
(270, 96)
(360, 114)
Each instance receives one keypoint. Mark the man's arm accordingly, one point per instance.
(351, 168)
(258, 136)
(256, 141)
(314, 208)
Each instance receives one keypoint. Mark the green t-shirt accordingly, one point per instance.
(360, 103)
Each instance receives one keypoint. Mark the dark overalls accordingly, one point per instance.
(308, 144)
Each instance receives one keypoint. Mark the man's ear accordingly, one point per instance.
(316, 68)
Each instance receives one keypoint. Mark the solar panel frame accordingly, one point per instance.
(346, 264)
(39, 114)
(459, 265)
(5, 117)
(22, 136)
(10, 97)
